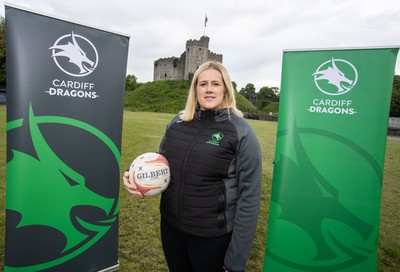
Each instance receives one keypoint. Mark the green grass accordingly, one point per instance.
(158, 96)
(139, 241)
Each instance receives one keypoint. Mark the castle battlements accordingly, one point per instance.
(204, 41)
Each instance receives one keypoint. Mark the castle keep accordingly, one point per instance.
(174, 68)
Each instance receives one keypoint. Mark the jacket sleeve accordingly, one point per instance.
(161, 149)
(248, 174)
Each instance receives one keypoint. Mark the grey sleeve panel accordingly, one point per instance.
(248, 175)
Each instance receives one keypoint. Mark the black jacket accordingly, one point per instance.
(215, 186)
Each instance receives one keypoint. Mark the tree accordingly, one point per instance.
(2, 52)
(130, 83)
(248, 90)
(268, 94)
(395, 102)
(234, 86)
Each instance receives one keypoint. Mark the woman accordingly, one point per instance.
(210, 209)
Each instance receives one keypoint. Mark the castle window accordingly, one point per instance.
(188, 49)
(199, 48)
(165, 75)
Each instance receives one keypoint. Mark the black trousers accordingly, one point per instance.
(188, 253)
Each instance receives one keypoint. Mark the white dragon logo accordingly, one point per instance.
(335, 77)
(75, 54)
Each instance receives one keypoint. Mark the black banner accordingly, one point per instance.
(65, 94)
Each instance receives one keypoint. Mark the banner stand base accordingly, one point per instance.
(111, 268)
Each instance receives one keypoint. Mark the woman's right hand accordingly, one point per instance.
(131, 188)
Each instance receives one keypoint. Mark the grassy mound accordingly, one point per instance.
(168, 96)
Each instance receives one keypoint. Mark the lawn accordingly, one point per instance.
(139, 242)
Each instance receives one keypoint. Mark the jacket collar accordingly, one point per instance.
(219, 115)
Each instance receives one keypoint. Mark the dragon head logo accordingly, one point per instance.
(75, 55)
(63, 200)
(335, 77)
(218, 136)
(320, 232)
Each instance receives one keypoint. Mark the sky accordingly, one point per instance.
(252, 35)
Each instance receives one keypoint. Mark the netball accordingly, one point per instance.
(150, 173)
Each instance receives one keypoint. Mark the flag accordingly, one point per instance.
(205, 21)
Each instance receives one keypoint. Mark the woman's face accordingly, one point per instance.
(210, 89)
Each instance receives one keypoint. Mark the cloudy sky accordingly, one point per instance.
(251, 34)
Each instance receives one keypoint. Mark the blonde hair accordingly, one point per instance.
(228, 102)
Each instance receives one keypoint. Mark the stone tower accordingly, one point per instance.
(185, 66)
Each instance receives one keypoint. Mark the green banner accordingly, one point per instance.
(330, 149)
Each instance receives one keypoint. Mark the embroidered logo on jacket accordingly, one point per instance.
(216, 137)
